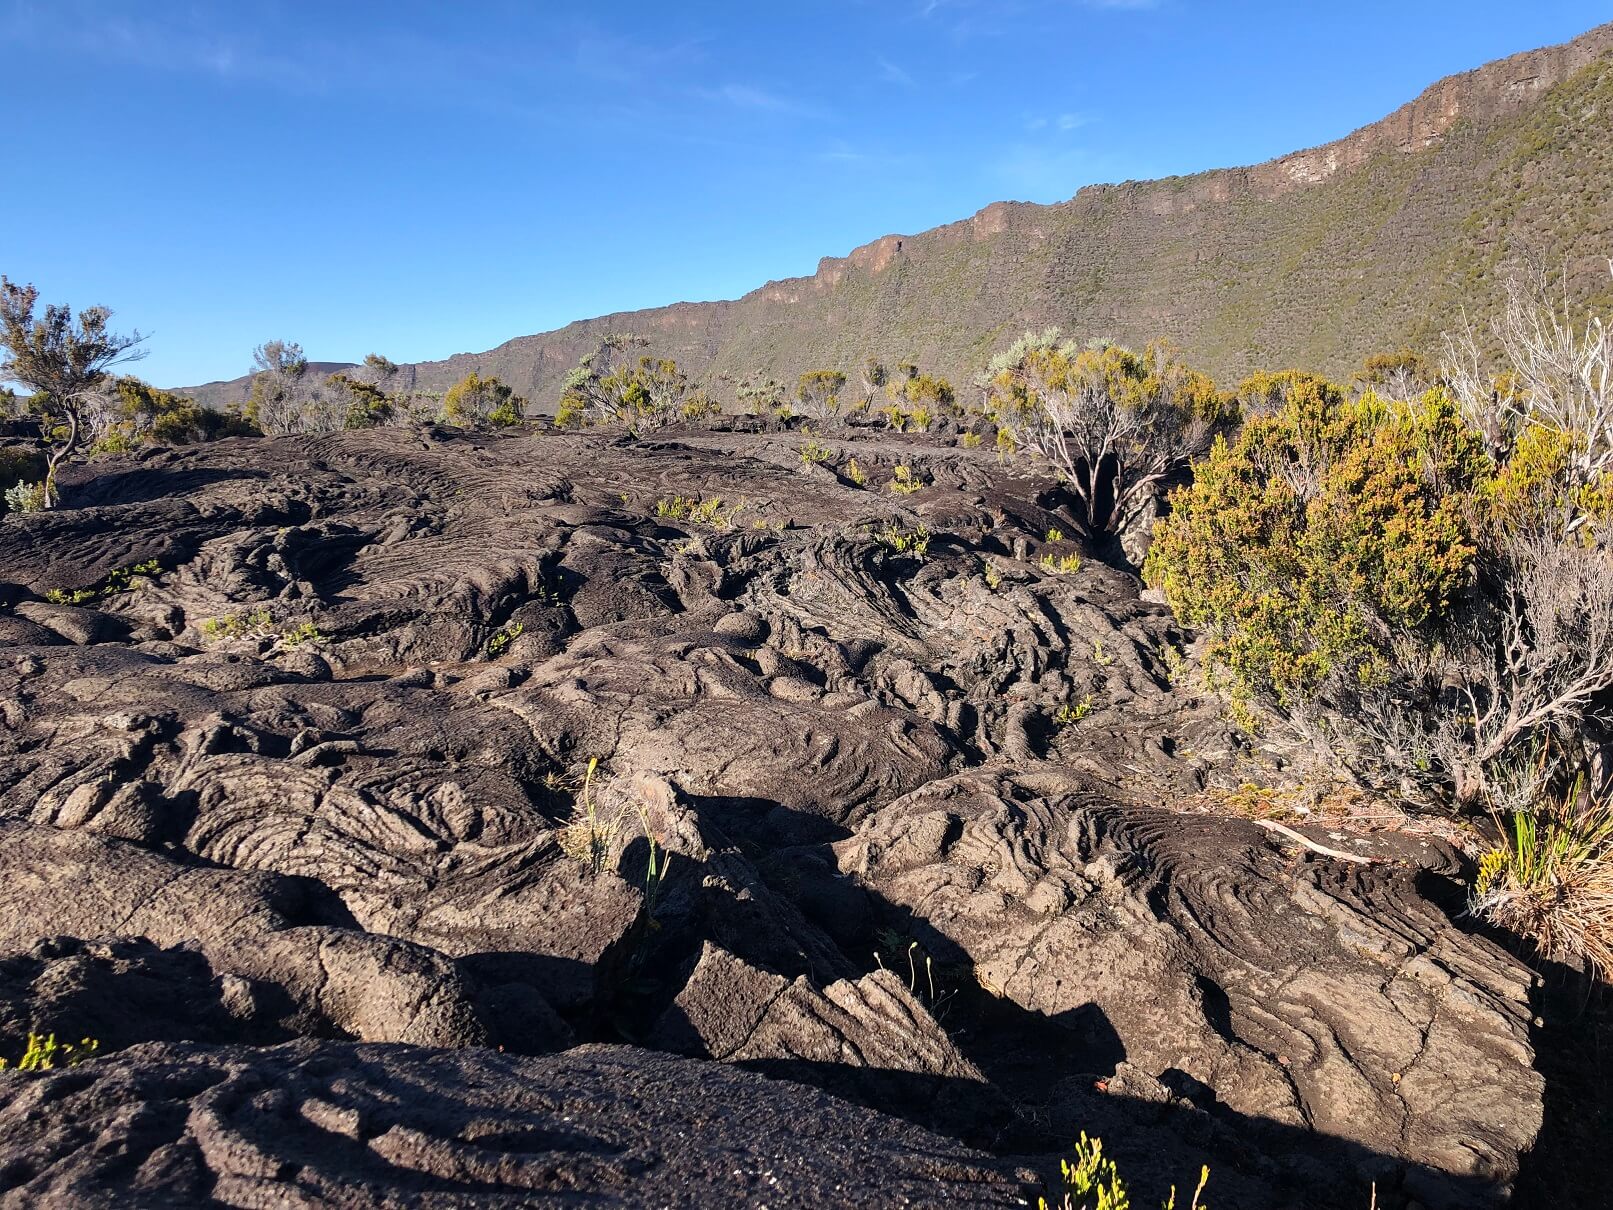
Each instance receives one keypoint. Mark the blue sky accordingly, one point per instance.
(420, 179)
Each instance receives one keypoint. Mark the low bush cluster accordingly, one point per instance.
(611, 387)
(1419, 582)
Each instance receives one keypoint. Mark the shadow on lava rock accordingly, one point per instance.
(1573, 1040)
(1025, 1084)
(143, 484)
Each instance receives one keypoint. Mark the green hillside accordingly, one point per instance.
(1377, 241)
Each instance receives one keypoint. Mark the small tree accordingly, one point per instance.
(1377, 576)
(921, 398)
(593, 392)
(277, 402)
(364, 405)
(475, 401)
(607, 386)
(818, 392)
(1114, 425)
(63, 361)
(1401, 375)
(377, 370)
(874, 377)
(763, 398)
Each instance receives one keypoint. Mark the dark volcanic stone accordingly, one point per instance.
(340, 1125)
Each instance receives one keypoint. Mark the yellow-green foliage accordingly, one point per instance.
(1133, 380)
(367, 404)
(589, 836)
(915, 541)
(895, 417)
(921, 392)
(303, 632)
(571, 412)
(856, 473)
(709, 511)
(26, 497)
(1071, 713)
(700, 406)
(1093, 1182)
(609, 386)
(1551, 879)
(475, 400)
(146, 414)
(503, 638)
(903, 481)
(1060, 565)
(120, 579)
(759, 398)
(44, 1053)
(237, 625)
(1323, 528)
(819, 391)
(815, 452)
(1386, 373)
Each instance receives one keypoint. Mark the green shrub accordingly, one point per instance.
(44, 1053)
(691, 508)
(120, 579)
(1422, 600)
(503, 638)
(924, 396)
(915, 541)
(250, 624)
(818, 392)
(1114, 425)
(22, 475)
(475, 401)
(1325, 528)
(302, 632)
(699, 405)
(815, 452)
(608, 387)
(367, 405)
(1069, 713)
(1093, 1182)
(903, 481)
(1060, 565)
(27, 497)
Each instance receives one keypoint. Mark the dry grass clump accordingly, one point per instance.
(590, 834)
(1551, 880)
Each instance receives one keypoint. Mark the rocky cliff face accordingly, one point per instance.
(1316, 258)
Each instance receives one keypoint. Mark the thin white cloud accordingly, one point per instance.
(844, 155)
(760, 100)
(894, 73)
(1062, 123)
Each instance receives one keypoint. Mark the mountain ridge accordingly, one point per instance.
(1078, 263)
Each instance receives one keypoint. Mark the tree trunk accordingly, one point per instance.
(61, 454)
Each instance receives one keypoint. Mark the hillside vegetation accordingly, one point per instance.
(1377, 241)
